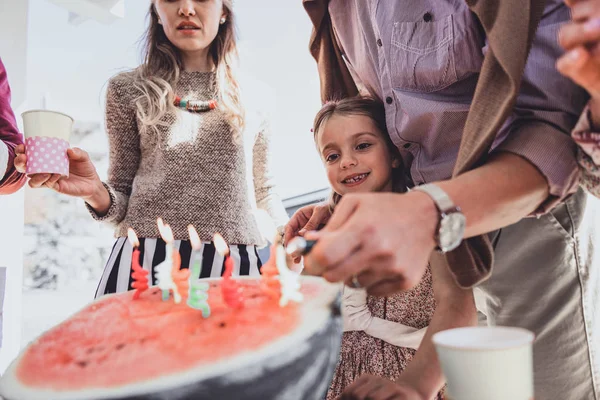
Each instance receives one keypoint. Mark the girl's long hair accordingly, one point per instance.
(163, 64)
(373, 109)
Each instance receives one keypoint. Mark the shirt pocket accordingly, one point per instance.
(422, 56)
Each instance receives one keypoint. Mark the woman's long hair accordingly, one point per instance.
(163, 64)
(373, 109)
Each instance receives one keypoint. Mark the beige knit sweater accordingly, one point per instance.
(190, 171)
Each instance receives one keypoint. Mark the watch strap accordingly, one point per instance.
(439, 197)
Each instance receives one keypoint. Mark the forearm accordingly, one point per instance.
(100, 201)
(497, 194)
(455, 308)
(108, 205)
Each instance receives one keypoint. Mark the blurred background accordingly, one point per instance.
(59, 55)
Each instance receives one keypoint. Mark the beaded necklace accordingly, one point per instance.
(195, 106)
(199, 106)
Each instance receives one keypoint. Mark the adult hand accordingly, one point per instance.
(382, 241)
(307, 218)
(581, 40)
(369, 387)
(83, 180)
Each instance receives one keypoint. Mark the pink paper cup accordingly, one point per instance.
(47, 156)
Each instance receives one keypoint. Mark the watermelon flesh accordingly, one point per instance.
(120, 348)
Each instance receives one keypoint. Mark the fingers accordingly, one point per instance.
(38, 180)
(331, 249)
(578, 65)
(384, 392)
(360, 388)
(349, 265)
(52, 182)
(586, 137)
(290, 231)
(76, 154)
(343, 211)
(20, 149)
(572, 35)
(582, 9)
(320, 216)
(571, 3)
(572, 61)
(297, 222)
(21, 163)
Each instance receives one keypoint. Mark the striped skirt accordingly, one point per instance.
(116, 277)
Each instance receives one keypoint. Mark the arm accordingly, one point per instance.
(110, 200)
(532, 167)
(358, 317)
(497, 194)
(423, 378)
(10, 179)
(267, 198)
(533, 163)
(455, 309)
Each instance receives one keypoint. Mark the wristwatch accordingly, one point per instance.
(452, 222)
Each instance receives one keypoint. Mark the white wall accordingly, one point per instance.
(13, 51)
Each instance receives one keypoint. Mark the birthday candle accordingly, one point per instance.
(198, 291)
(269, 276)
(139, 275)
(229, 288)
(195, 257)
(198, 297)
(290, 281)
(180, 278)
(164, 270)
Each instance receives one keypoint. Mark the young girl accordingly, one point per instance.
(381, 334)
(183, 147)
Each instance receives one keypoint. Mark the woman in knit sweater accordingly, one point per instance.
(182, 147)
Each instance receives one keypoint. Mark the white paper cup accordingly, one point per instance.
(491, 363)
(45, 123)
(47, 135)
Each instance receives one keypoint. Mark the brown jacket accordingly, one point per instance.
(495, 95)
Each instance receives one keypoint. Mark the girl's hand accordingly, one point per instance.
(83, 180)
(376, 388)
(307, 218)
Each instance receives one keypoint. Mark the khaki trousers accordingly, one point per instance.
(546, 278)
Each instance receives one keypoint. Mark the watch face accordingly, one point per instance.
(452, 231)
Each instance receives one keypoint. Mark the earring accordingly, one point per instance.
(222, 21)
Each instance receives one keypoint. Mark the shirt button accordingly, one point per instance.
(427, 17)
(379, 42)
(389, 100)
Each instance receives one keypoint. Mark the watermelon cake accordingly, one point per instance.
(121, 347)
